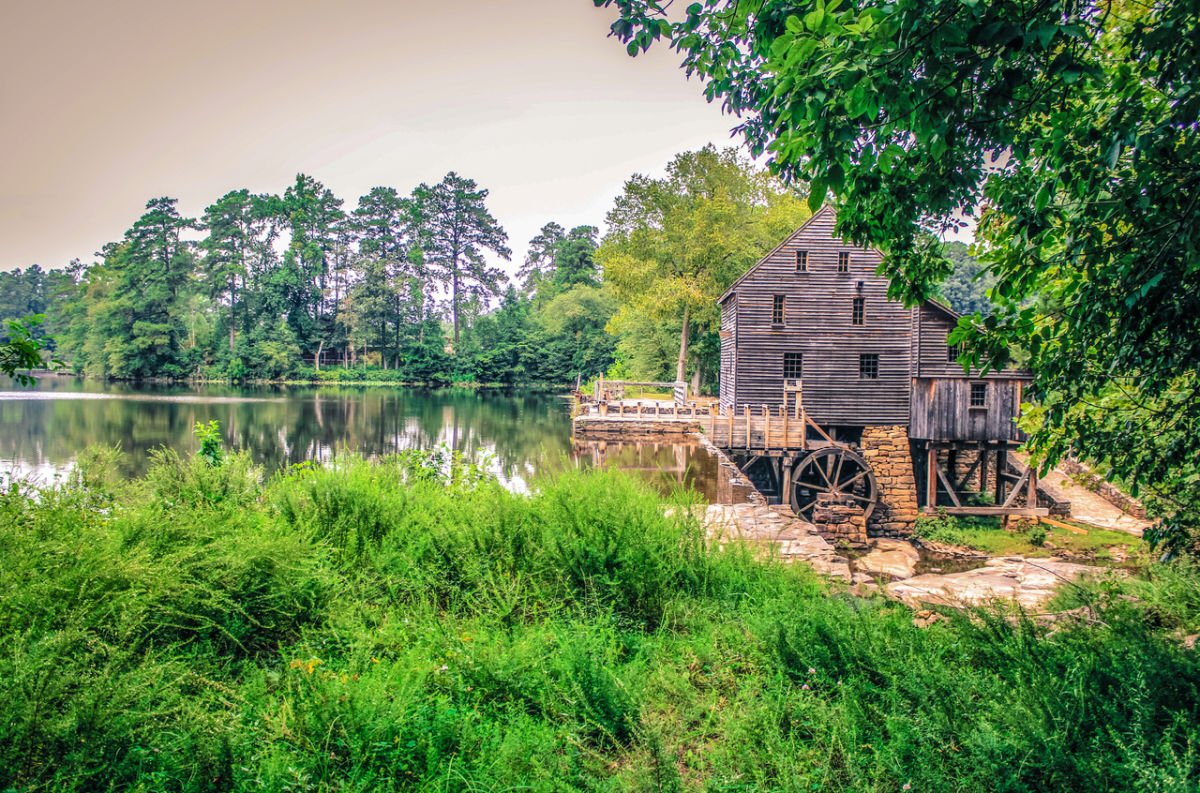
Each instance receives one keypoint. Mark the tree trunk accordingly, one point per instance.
(681, 365)
(454, 307)
(317, 360)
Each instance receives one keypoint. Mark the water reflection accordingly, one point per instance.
(522, 435)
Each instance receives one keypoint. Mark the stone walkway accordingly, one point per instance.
(1090, 508)
(889, 565)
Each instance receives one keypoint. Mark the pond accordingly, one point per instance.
(520, 435)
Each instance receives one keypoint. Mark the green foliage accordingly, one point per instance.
(408, 624)
(208, 434)
(1070, 130)
(22, 352)
(675, 244)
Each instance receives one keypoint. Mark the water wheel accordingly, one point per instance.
(836, 470)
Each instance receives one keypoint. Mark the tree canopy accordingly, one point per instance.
(1069, 130)
(675, 243)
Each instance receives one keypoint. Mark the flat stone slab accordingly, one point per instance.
(893, 558)
(1029, 583)
(792, 538)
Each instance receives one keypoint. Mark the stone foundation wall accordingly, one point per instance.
(840, 522)
(888, 451)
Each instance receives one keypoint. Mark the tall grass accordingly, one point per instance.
(410, 625)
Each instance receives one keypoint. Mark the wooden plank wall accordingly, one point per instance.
(941, 410)
(818, 324)
(728, 351)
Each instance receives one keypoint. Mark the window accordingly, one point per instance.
(978, 395)
(802, 261)
(857, 315)
(777, 310)
(868, 366)
(844, 262)
(952, 352)
(793, 366)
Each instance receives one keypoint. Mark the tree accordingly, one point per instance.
(966, 288)
(21, 353)
(539, 259)
(142, 320)
(1070, 129)
(675, 243)
(314, 216)
(455, 231)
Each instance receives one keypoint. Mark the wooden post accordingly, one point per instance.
(783, 414)
(1001, 473)
(1031, 500)
(766, 427)
(983, 471)
(931, 478)
(746, 413)
(729, 427)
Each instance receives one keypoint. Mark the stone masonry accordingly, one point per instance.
(840, 522)
(886, 449)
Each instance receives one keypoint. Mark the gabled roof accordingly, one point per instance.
(725, 296)
(825, 208)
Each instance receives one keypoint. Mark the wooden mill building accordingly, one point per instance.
(889, 411)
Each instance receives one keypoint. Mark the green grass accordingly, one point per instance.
(410, 625)
(1041, 540)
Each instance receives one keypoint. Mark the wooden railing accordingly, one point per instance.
(755, 427)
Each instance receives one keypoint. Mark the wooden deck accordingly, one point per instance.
(767, 430)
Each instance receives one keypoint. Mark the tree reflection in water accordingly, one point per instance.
(522, 434)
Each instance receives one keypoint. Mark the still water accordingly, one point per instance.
(520, 435)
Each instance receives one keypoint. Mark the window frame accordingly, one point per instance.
(778, 309)
(868, 366)
(795, 372)
(801, 262)
(858, 312)
(980, 389)
(952, 352)
(843, 265)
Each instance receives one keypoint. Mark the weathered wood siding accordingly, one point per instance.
(941, 409)
(728, 372)
(818, 324)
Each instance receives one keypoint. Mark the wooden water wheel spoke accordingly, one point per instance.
(835, 472)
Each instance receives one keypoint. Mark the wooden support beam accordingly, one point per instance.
(1016, 490)
(931, 478)
(946, 483)
(766, 427)
(1018, 512)
(746, 413)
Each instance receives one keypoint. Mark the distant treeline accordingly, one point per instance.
(280, 286)
(399, 289)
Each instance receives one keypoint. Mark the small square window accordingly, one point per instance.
(793, 366)
(868, 366)
(979, 395)
(777, 310)
(844, 262)
(802, 261)
(857, 312)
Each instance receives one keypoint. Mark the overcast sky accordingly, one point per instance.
(106, 105)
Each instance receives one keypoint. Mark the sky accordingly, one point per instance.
(106, 105)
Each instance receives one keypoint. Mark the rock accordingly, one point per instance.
(1028, 583)
(895, 558)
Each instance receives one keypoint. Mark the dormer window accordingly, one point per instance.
(802, 261)
(843, 261)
